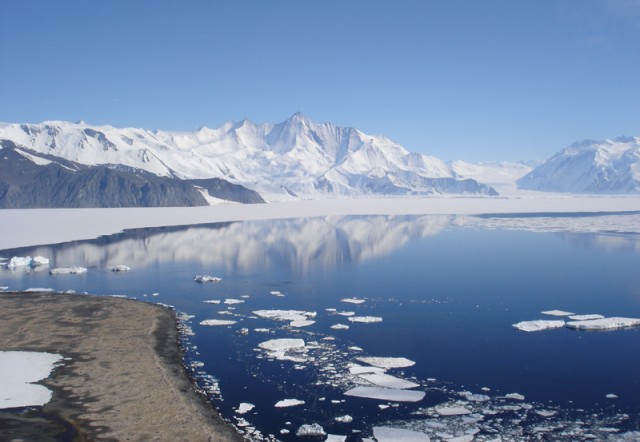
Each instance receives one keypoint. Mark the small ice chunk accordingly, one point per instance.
(452, 411)
(284, 431)
(335, 438)
(38, 261)
(557, 313)
(386, 362)
(311, 430)
(340, 327)
(26, 261)
(281, 344)
(120, 268)
(355, 348)
(585, 317)
(463, 438)
(231, 301)
(288, 403)
(301, 323)
(515, 396)
(611, 396)
(604, 324)
(346, 313)
(211, 301)
(75, 270)
(361, 369)
(215, 322)
(538, 325)
(245, 407)
(365, 319)
(275, 292)
(206, 278)
(546, 413)
(391, 434)
(386, 394)
(388, 381)
(353, 300)
(343, 419)
(330, 310)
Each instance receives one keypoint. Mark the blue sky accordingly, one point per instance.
(475, 80)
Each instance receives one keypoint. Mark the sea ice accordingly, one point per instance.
(215, 322)
(611, 396)
(211, 301)
(365, 319)
(4, 288)
(245, 408)
(516, 396)
(19, 370)
(557, 313)
(361, 369)
(206, 278)
(278, 349)
(120, 268)
(26, 261)
(311, 430)
(390, 434)
(538, 325)
(585, 317)
(288, 403)
(343, 419)
(297, 318)
(301, 323)
(388, 381)
(37, 261)
(231, 301)
(386, 362)
(340, 327)
(452, 411)
(386, 394)
(353, 300)
(345, 313)
(75, 270)
(604, 324)
(335, 438)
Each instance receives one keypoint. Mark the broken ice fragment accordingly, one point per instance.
(206, 278)
(288, 403)
(340, 327)
(538, 325)
(585, 317)
(611, 396)
(365, 319)
(245, 408)
(388, 381)
(391, 434)
(352, 300)
(215, 322)
(230, 301)
(75, 270)
(281, 344)
(120, 268)
(557, 313)
(604, 324)
(515, 396)
(311, 430)
(386, 362)
(343, 419)
(386, 394)
(452, 411)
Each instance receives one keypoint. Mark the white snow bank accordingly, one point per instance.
(390, 434)
(538, 325)
(386, 362)
(18, 369)
(604, 324)
(288, 403)
(365, 319)
(388, 381)
(75, 270)
(386, 394)
(206, 278)
(585, 317)
(353, 300)
(216, 322)
(557, 313)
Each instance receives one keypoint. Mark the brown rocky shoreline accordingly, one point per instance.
(124, 378)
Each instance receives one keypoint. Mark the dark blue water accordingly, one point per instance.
(447, 295)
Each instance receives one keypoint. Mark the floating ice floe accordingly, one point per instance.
(245, 407)
(585, 317)
(311, 430)
(26, 261)
(206, 278)
(19, 370)
(217, 322)
(340, 327)
(335, 438)
(4, 288)
(387, 381)
(353, 300)
(276, 293)
(75, 270)
(452, 411)
(604, 324)
(211, 301)
(538, 325)
(386, 362)
(288, 403)
(120, 268)
(38, 289)
(365, 319)
(546, 413)
(386, 394)
(515, 396)
(231, 301)
(296, 318)
(390, 434)
(361, 369)
(285, 349)
(557, 313)
(345, 313)
(611, 396)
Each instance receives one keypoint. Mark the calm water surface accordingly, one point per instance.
(448, 293)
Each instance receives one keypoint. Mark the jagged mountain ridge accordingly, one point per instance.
(296, 157)
(29, 179)
(608, 166)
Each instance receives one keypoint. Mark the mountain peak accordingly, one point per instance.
(299, 117)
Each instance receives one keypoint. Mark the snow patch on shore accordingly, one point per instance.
(18, 372)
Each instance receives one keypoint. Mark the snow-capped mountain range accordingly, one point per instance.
(609, 166)
(295, 158)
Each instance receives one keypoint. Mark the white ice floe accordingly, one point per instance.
(206, 278)
(538, 325)
(343, 419)
(340, 327)
(302, 323)
(335, 438)
(281, 344)
(546, 413)
(386, 362)
(37, 261)
(18, 372)
(557, 313)
(276, 293)
(585, 317)
(361, 369)
(387, 381)
(311, 430)
(463, 438)
(120, 268)
(390, 434)
(611, 396)
(345, 313)
(26, 261)
(365, 319)
(75, 270)
(217, 322)
(452, 411)
(515, 396)
(604, 324)
(38, 289)
(288, 403)
(296, 318)
(386, 394)
(231, 301)
(245, 407)
(353, 300)
(211, 301)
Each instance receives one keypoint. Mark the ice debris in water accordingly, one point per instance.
(585, 317)
(296, 318)
(386, 362)
(211, 301)
(340, 327)
(215, 322)
(245, 407)
(611, 396)
(120, 268)
(386, 394)
(388, 381)
(343, 419)
(75, 270)
(515, 396)
(206, 278)
(26, 261)
(365, 319)
(604, 324)
(452, 411)
(231, 301)
(538, 325)
(288, 403)
(276, 293)
(353, 300)
(285, 349)
(311, 430)
(557, 313)
(390, 434)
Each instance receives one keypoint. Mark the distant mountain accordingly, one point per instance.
(609, 166)
(29, 179)
(295, 158)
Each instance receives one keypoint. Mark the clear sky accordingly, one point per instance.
(458, 79)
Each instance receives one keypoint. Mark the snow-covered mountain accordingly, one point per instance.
(490, 172)
(297, 157)
(609, 166)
